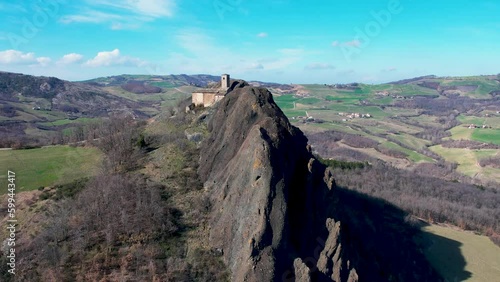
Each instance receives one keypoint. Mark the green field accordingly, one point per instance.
(403, 125)
(461, 133)
(47, 166)
(400, 89)
(285, 102)
(471, 119)
(487, 135)
(69, 121)
(412, 155)
(485, 85)
(462, 256)
(411, 141)
(467, 161)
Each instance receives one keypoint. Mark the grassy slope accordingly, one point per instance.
(412, 155)
(485, 86)
(68, 121)
(482, 257)
(48, 166)
(461, 133)
(468, 161)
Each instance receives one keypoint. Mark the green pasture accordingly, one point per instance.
(487, 135)
(412, 155)
(468, 161)
(47, 166)
(69, 121)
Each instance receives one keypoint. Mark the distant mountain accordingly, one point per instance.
(53, 94)
(199, 80)
(169, 81)
(480, 85)
(410, 80)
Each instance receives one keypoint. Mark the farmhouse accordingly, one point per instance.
(208, 96)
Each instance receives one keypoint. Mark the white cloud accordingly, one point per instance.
(17, 57)
(114, 58)
(214, 57)
(291, 51)
(262, 35)
(91, 16)
(123, 26)
(70, 59)
(119, 15)
(43, 61)
(352, 43)
(13, 7)
(319, 66)
(255, 66)
(391, 69)
(346, 72)
(149, 8)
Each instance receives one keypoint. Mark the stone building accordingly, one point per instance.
(208, 96)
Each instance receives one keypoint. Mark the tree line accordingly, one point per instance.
(471, 207)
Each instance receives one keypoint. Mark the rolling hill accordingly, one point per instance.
(404, 122)
(248, 198)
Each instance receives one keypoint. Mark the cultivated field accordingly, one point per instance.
(47, 166)
(398, 117)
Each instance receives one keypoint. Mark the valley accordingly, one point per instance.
(407, 120)
(382, 142)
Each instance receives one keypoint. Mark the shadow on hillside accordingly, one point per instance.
(380, 238)
(444, 254)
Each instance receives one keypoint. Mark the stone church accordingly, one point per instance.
(208, 96)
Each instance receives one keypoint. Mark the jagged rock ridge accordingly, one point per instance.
(277, 214)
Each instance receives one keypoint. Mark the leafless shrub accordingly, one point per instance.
(468, 206)
(490, 161)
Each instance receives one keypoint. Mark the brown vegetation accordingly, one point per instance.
(123, 224)
(139, 87)
(465, 205)
(490, 161)
(469, 144)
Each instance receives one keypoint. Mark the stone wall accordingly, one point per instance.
(206, 99)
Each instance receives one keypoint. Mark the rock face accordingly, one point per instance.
(277, 214)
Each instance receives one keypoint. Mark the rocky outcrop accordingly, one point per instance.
(330, 260)
(249, 163)
(277, 214)
(302, 272)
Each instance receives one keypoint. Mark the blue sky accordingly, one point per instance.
(275, 40)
